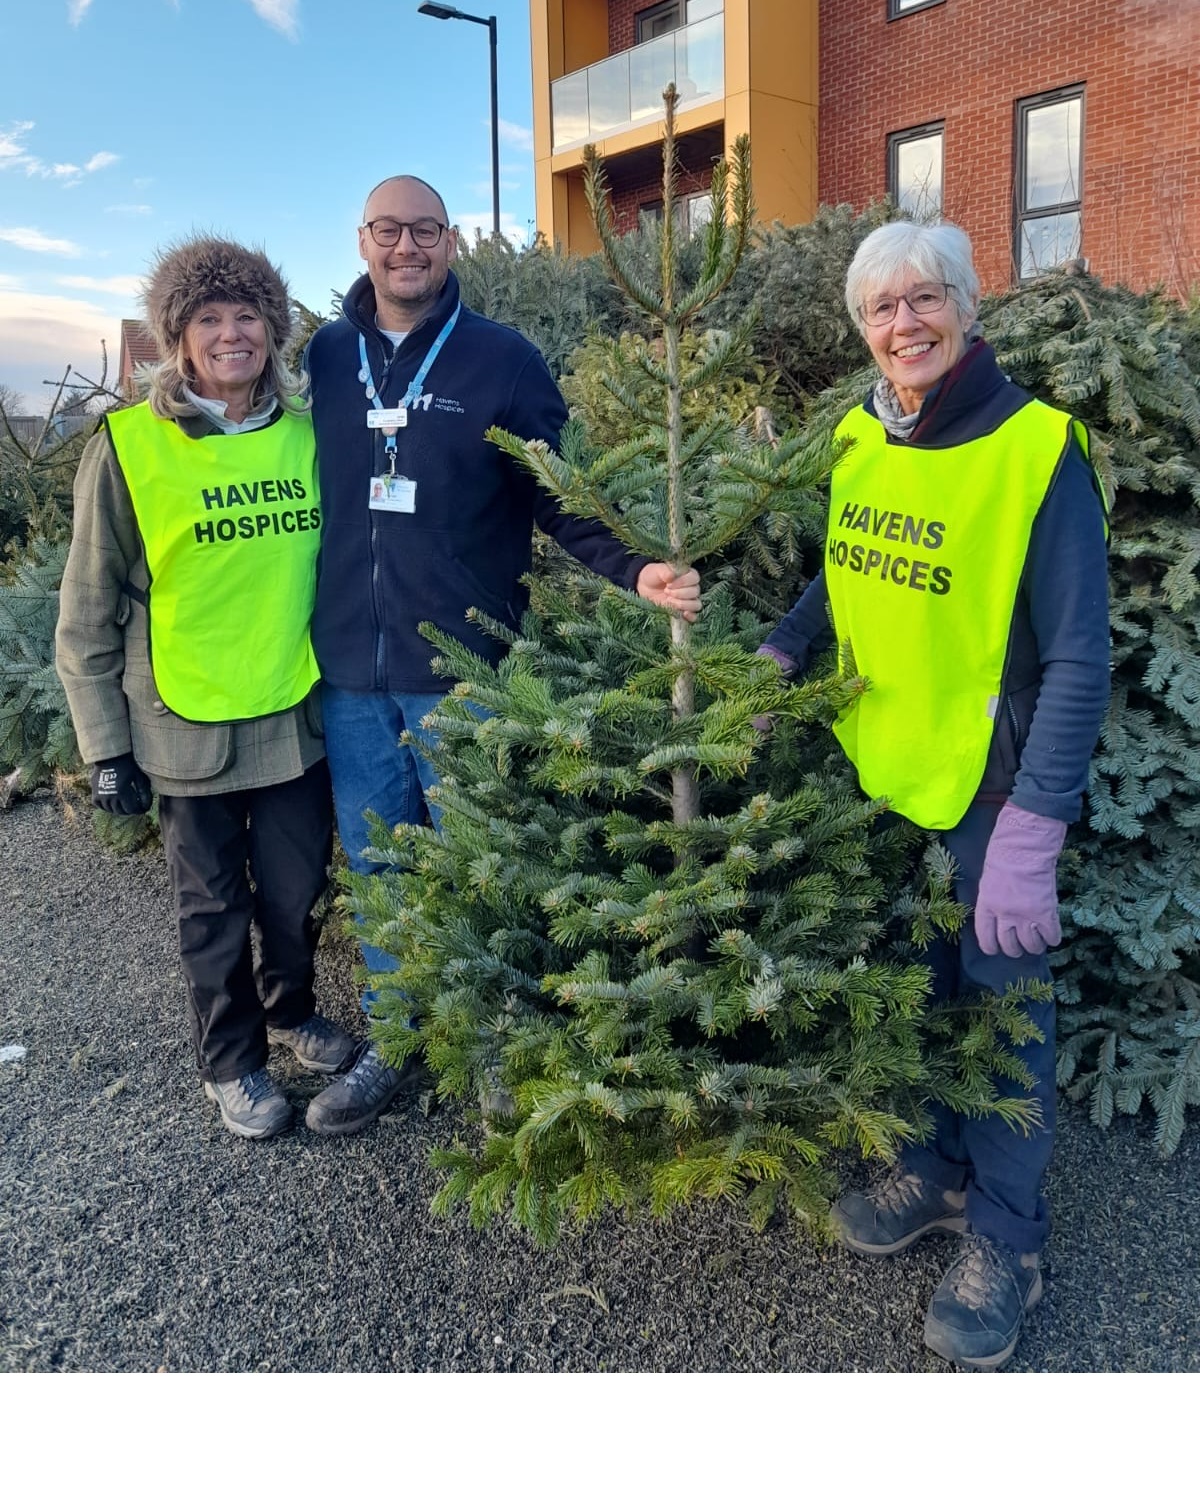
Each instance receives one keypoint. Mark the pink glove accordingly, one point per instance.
(787, 666)
(1017, 907)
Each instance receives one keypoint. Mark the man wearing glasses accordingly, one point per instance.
(423, 519)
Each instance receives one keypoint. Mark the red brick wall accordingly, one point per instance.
(967, 62)
(621, 27)
(628, 197)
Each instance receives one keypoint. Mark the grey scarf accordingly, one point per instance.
(895, 420)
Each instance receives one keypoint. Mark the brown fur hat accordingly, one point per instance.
(204, 270)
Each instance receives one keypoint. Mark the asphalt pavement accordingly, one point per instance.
(137, 1235)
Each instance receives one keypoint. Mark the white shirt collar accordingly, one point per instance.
(397, 336)
(215, 412)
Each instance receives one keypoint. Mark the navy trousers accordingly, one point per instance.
(1000, 1168)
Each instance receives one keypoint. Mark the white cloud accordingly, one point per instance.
(283, 15)
(77, 9)
(482, 188)
(28, 239)
(40, 335)
(515, 135)
(12, 150)
(128, 209)
(14, 153)
(126, 287)
(468, 224)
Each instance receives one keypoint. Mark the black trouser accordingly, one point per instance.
(279, 837)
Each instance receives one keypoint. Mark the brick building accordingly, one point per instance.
(138, 347)
(599, 71)
(1050, 129)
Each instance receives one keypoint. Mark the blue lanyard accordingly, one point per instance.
(415, 387)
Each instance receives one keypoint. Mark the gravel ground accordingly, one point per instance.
(137, 1235)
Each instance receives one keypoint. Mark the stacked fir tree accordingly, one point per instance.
(669, 950)
(1127, 363)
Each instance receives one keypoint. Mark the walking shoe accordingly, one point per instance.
(252, 1107)
(975, 1315)
(896, 1212)
(354, 1101)
(318, 1044)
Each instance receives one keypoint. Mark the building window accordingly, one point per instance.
(914, 170)
(1049, 187)
(897, 8)
(673, 14)
(692, 212)
(660, 19)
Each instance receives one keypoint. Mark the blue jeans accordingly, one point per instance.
(1001, 1169)
(372, 771)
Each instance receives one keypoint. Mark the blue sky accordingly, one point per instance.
(128, 123)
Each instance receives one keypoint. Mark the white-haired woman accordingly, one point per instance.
(183, 646)
(965, 565)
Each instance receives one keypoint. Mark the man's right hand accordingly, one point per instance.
(119, 786)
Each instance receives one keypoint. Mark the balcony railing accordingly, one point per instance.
(627, 89)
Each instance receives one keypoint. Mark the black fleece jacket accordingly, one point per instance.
(1056, 678)
(469, 540)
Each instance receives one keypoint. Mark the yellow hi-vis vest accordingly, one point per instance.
(231, 526)
(923, 561)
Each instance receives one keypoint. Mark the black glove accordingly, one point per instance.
(119, 786)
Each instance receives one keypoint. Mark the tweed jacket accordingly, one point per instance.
(103, 658)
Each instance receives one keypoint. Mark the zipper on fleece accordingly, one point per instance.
(376, 594)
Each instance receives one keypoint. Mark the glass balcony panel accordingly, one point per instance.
(700, 62)
(627, 89)
(569, 109)
(651, 69)
(608, 94)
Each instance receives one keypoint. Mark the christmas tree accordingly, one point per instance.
(36, 735)
(682, 958)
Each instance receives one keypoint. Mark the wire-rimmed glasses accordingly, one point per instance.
(925, 297)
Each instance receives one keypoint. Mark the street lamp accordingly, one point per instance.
(449, 13)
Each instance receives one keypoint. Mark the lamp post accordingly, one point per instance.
(449, 13)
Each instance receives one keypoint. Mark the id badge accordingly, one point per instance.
(392, 493)
(387, 418)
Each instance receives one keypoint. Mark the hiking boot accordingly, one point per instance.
(354, 1101)
(976, 1311)
(318, 1044)
(251, 1107)
(896, 1212)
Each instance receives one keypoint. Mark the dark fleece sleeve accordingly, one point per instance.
(1066, 589)
(538, 411)
(805, 631)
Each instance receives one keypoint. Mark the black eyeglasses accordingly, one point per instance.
(925, 297)
(425, 232)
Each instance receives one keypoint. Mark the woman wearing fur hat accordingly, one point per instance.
(183, 647)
